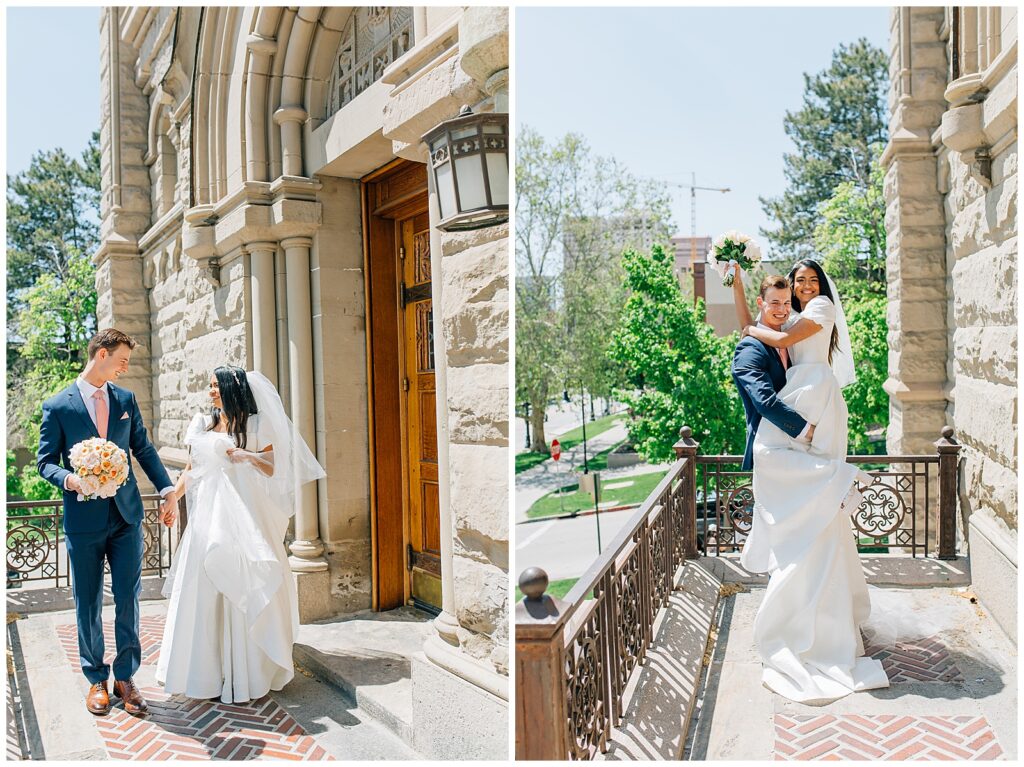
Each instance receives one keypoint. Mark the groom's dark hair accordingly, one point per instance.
(110, 339)
(776, 281)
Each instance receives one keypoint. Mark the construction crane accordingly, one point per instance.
(693, 209)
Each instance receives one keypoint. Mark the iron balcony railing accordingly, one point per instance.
(37, 555)
(575, 656)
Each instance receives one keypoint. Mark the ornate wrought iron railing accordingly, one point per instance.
(35, 542)
(575, 656)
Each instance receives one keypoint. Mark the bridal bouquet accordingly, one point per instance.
(102, 468)
(733, 247)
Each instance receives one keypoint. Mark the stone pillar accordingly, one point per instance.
(257, 163)
(125, 207)
(291, 118)
(916, 241)
(312, 579)
(264, 308)
(306, 548)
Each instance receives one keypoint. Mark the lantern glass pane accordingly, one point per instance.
(446, 190)
(492, 128)
(472, 193)
(438, 143)
(497, 174)
(463, 133)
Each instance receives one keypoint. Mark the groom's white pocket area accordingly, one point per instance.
(124, 417)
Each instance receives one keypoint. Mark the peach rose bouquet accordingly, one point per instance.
(101, 466)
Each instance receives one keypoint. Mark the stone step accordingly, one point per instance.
(364, 657)
(660, 698)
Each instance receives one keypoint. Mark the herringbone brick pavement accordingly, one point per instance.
(847, 736)
(919, 660)
(151, 631)
(177, 727)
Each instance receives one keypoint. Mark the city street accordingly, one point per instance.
(565, 548)
(562, 417)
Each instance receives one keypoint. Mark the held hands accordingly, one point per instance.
(169, 509)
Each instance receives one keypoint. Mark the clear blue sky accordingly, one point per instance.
(53, 81)
(674, 90)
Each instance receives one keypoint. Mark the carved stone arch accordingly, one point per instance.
(212, 102)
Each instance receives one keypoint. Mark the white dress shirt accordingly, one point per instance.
(88, 392)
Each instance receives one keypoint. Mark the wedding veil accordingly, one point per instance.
(842, 359)
(294, 464)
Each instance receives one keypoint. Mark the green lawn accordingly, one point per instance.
(575, 500)
(555, 588)
(569, 440)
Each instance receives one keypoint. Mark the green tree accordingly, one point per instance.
(52, 227)
(838, 134)
(850, 239)
(678, 372)
(575, 212)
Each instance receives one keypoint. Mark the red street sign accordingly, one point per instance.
(556, 450)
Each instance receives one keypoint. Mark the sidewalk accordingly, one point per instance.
(309, 719)
(953, 694)
(533, 484)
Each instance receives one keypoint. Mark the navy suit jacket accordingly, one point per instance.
(759, 375)
(66, 422)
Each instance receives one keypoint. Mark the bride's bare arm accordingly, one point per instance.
(783, 339)
(739, 297)
(263, 461)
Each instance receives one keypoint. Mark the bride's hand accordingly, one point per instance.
(237, 455)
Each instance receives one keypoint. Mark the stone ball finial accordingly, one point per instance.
(533, 582)
(947, 432)
(686, 432)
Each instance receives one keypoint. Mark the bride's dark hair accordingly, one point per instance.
(236, 400)
(823, 290)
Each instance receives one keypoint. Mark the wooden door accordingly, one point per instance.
(406, 524)
(420, 410)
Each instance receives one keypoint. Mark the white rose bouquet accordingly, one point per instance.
(101, 466)
(733, 248)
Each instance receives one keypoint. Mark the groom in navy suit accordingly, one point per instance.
(101, 529)
(759, 371)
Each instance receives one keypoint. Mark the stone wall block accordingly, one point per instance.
(987, 484)
(1004, 164)
(478, 404)
(985, 286)
(985, 413)
(481, 598)
(986, 352)
(475, 304)
(479, 490)
(917, 316)
(350, 568)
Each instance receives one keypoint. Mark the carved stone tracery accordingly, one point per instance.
(372, 39)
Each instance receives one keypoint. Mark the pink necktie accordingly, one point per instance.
(101, 413)
(785, 357)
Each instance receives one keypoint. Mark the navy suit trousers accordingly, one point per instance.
(120, 543)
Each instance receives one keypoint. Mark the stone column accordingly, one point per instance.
(306, 548)
(125, 206)
(916, 240)
(264, 308)
(307, 560)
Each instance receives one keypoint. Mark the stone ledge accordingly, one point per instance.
(367, 660)
(660, 698)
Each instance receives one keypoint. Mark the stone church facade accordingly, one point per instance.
(266, 203)
(951, 218)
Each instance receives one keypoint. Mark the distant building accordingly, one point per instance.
(691, 270)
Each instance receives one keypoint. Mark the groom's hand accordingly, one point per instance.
(73, 483)
(169, 510)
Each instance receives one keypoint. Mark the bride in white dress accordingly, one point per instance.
(232, 614)
(807, 629)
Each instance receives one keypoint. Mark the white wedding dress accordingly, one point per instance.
(232, 615)
(807, 629)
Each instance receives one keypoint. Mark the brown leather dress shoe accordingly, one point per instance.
(134, 703)
(98, 700)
